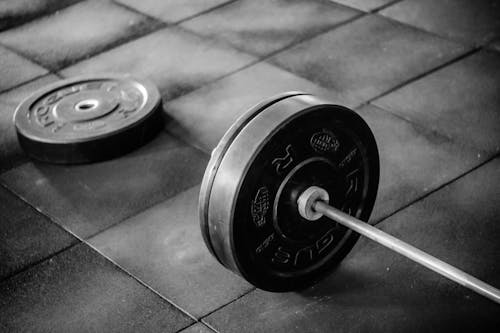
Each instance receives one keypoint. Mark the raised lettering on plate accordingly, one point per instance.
(281, 164)
(281, 256)
(324, 142)
(260, 206)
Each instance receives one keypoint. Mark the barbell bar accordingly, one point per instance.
(313, 201)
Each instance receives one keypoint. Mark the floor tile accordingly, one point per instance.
(253, 26)
(174, 10)
(495, 45)
(367, 57)
(76, 32)
(80, 291)
(413, 160)
(197, 328)
(15, 69)
(89, 198)
(225, 100)
(365, 5)
(473, 22)
(177, 61)
(11, 154)
(164, 248)
(377, 290)
(26, 236)
(460, 101)
(13, 13)
(19, 93)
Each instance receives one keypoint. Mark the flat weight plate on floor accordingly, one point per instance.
(248, 197)
(88, 118)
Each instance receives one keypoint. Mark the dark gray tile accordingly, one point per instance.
(224, 101)
(460, 101)
(13, 13)
(89, 198)
(197, 328)
(15, 69)
(174, 10)
(26, 236)
(474, 22)
(495, 45)
(163, 247)
(261, 27)
(413, 160)
(80, 291)
(176, 60)
(76, 32)
(366, 5)
(11, 154)
(18, 94)
(367, 57)
(376, 290)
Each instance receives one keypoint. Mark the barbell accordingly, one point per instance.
(287, 189)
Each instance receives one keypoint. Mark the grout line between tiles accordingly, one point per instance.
(206, 11)
(181, 138)
(136, 11)
(159, 19)
(370, 11)
(36, 17)
(150, 22)
(36, 263)
(464, 42)
(133, 214)
(25, 56)
(228, 303)
(140, 281)
(197, 322)
(20, 163)
(27, 82)
(44, 214)
(209, 326)
(113, 45)
(378, 9)
(417, 125)
(445, 184)
(422, 75)
(261, 58)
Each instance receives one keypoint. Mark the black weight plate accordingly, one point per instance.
(253, 224)
(218, 154)
(88, 118)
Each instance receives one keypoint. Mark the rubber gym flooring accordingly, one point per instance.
(115, 246)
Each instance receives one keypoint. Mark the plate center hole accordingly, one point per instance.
(86, 105)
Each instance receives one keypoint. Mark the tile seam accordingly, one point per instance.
(438, 188)
(149, 21)
(38, 262)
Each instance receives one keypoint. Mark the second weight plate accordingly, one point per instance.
(88, 118)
